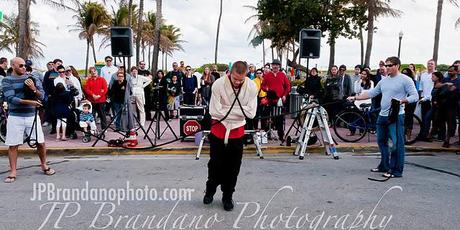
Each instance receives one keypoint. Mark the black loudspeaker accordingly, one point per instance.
(310, 43)
(122, 41)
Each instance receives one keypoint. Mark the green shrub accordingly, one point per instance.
(220, 67)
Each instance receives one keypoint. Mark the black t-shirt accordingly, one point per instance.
(216, 75)
(144, 72)
(2, 72)
(117, 91)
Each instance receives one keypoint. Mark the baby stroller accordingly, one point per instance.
(88, 128)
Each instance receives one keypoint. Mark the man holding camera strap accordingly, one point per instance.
(23, 95)
(397, 90)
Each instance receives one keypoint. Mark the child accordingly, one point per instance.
(174, 90)
(87, 119)
(62, 110)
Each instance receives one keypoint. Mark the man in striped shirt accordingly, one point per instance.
(22, 115)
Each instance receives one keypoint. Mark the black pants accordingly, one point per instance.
(425, 108)
(224, 165)
(189, 99)
(444, 115)
(99, 108)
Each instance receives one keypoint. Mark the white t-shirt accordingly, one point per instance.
(426, 86)
(74, 81)
(107, 72)
(358, 89)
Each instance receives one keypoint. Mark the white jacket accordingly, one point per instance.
(222, 98)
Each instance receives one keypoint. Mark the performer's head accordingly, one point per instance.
(238, 73)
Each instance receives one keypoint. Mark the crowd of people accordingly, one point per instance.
(438, 92)
(72, 102)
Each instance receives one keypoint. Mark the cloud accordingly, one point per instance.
(197, 20)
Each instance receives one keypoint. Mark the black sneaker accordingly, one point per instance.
(228, 204)
(207, 199)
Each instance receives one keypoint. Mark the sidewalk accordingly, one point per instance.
(77, 147)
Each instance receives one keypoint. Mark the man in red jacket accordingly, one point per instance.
(96, 90)
(277, 86)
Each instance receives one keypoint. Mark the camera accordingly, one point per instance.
(29, 93)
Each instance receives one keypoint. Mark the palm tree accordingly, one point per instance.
(24, 47)
(9, 37)
(170, 41)
(375, 9)
(255, 35)
(139, 29)
(217, 33)
(438, 27)
(25, 33)
(92, 18)
(157, 31)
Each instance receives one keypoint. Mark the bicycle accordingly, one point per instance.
(352, 124)
(3, 119)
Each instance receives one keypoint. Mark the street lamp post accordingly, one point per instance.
(399, 47)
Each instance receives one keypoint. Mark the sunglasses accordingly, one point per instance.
(61, 71)
(108, 60)
(389, 65)
(188, 69)
(22, 65)
(259, 73)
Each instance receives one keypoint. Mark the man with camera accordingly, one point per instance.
(390, 123)
(23, 94)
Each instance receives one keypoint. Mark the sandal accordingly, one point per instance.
(49, 171)
(10, 179)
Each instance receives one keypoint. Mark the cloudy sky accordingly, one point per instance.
(197, 20)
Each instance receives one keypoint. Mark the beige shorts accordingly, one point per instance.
(18, 128)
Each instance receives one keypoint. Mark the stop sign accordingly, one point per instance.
(191, 127)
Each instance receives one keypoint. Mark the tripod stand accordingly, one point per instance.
(126, 109)
(158, 116)
(318, 113)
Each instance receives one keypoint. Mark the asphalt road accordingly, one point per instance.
(279, 192)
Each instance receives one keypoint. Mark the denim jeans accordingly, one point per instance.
(116, 108)
(392, 159)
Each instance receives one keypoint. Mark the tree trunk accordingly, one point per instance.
(94, 50)
(143, 51)
(273, 54)
(331, 52)
(149, 54)
(217, 33)
(361, 41)
(263, 52)
(24, 48)
(162, 60)
(370, 34)
(156, 47)
(139, 30)
(87, 57)
(166, 63)
(437, 31)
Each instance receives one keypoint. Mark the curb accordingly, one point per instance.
(353, 148)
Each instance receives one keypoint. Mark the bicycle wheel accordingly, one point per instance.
(412, 132)
(350, 126)
(2, 130)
